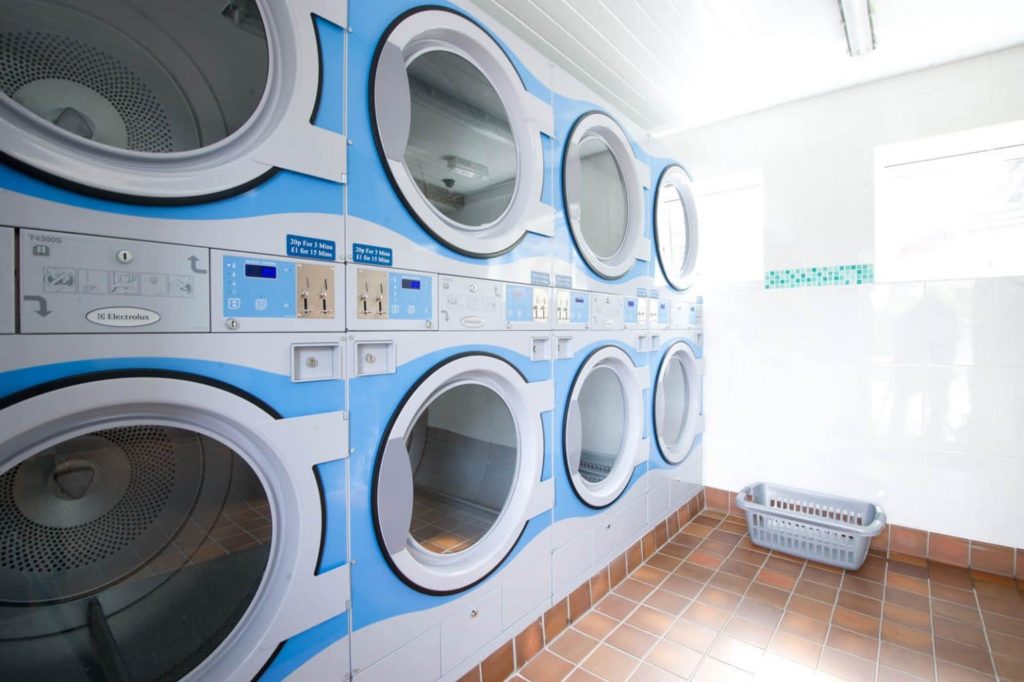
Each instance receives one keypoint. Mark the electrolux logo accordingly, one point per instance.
(123, 317)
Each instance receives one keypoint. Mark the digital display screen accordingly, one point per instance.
(411, 284)
(579, 299)
(630, 304)
(262, 271)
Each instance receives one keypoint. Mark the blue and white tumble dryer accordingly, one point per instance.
(189, 122)
(451, 484)
(601, 443)
(677, 373)
(603, 240)
(172, 501)
(451, 129)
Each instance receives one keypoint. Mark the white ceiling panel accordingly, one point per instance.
(677, 64)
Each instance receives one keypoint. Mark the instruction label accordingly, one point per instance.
(371, 255)
(310, 247)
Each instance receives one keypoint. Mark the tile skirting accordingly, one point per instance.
(517, 652)
(900, 541)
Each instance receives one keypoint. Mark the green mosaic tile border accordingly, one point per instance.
(821, 276)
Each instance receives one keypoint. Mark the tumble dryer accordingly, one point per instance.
(603, 240)
(208, 124)
(451, 483)
(601, 442)
(676, 238)
(451, 129)
(172, 504)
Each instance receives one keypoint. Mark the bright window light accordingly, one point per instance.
(731, 215)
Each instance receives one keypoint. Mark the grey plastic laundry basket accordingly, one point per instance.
(832, 530)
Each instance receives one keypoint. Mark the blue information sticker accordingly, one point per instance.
(541, 279)
(563, 281)
(371, 255)
(310, 247)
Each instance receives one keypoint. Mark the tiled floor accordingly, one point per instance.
(712, 606)
(447, 526)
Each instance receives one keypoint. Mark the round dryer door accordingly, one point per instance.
(457, 131)
(151, 101)
(675, 227)
(137, 541)
(677, 403)
(603, 426)
(456, 472)
(604, 196)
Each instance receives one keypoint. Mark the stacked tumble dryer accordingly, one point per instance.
(173, 442)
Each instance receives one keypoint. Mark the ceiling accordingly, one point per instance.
(672, 65)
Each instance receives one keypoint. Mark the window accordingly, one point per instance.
(731, 210)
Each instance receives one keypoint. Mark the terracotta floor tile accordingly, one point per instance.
(960, 632)
(631, 640)
(804, 627)
(664, 562)
(856, 622)
(784, 564)
(1009, 667)
(724, 536)
(955, 612)
(814, 590)
(950, 575)
(596, 624)
(759, 612)
(846, 667)
(684, 587)
(667, 601)
(737, 567)
(581, 675)
(546, 667)
(886, 674)
(692, 635)
(1007, 626)
(736, 653)
(693, 571)
(713, 670)
(674, 658)
(706, 519)
(852, 643)
(732, 583)
(1009, 604)
(953, 594)
(908, 569)
(810, 608)
(768, 595)
(705, 615)
(649, 575)
(796, 649)
(911, 662)
(963, 655)
(648, 672)
(721, 549)
(954, 673)
(901, 615)
(696, 530)
(633, 590)
(610, 664)
(907, 599)
(718, 598)
(822, 576)
(874, 569)
(909, 638)
(706, 559)
(860, 603)
(862, 587)
(573, 645)
(1005, 644)
(748, 556)
(615, 606)
(749, 631)
(908, 583)
(776, 668)
(651, 620)
(777, 580)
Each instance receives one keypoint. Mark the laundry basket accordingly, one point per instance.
(832, 530)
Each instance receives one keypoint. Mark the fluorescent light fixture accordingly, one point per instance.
(860, 30)
(466, 168)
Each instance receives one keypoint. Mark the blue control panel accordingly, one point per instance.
(257, 287)
(518, 303)
(663, 312)
(579, 307)
(410, 296)
(630, 312)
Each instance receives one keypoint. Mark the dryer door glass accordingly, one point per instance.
(603, 417)
(603, 198)
(463, 454)
(461, 151)
(672, 231)
(141, 76)
(673, 398)
(127, 553)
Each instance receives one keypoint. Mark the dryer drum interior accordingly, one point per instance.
(127, 553)
(137, 76)
(676, 403)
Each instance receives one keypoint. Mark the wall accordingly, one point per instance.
(909, 394)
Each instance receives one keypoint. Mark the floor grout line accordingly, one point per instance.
(831, 617)
(984, 631)
(931, 622)
(881, 616)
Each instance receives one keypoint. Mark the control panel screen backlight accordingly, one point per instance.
(411, 284)
(261, 271)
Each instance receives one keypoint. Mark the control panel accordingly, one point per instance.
(606, 312)
(572, 309)
(258, 293)
(662, 313)
(527, 307)
(465, 303)
(634, 313)
(75, 283)
(6, 280)
(390, 299)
